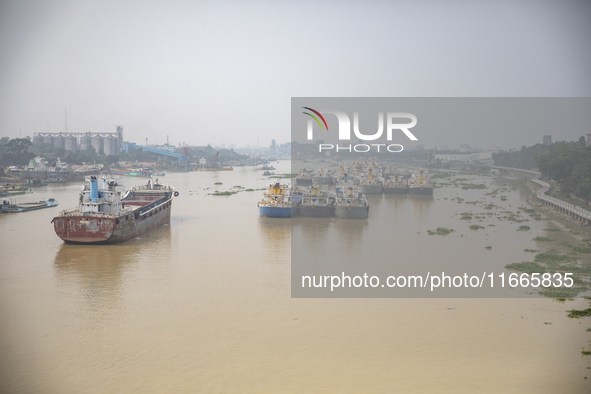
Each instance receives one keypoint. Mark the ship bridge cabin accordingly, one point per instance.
(101, 195)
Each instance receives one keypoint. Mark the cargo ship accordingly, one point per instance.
(389, 173)
(276, 202)
(419, 184)
(351, 204)
(322, 178)
(103, 216)
(315, 203)
(370, 185)
(395, 185)
(304, 178)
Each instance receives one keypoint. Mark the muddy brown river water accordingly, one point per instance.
(203, 305)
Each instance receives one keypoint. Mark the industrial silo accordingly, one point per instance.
(71, 143)
(97, 143)
(59, 142)
(85, 142)
(48, 140)
(111, 145)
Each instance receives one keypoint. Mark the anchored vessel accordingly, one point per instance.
(395, 185)
(304, 178)
(322, 178)
(130, 172)
(8, 207)
(315, 203)
(419, 183)
(103, 216)
(351, 204)
(276, 202)
(15, 190)
(370, 185)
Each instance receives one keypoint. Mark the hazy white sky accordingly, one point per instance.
(224, 71)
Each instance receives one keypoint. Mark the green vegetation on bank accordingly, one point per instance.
(566, 163)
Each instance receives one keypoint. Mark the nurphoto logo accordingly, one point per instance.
(344, 132)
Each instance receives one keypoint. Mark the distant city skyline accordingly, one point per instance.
(224, 72)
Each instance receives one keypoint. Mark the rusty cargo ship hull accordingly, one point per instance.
(106, 229)
(140, 211)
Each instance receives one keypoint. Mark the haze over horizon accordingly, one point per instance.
(213, 72)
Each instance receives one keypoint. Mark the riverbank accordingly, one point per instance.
(574, 226)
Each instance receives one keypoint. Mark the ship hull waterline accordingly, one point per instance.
(395, 190)
(371, 190)
(314, 211)
(344, 212)
(275, 212)
(423, 191)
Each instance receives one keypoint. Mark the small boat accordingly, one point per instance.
(35, 182)
(9, 207)
(223, 168)
(130, 172)
(15, 190)
(268, 173)
(56, 180)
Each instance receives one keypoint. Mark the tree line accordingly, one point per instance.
(567, 163)
(19, 152)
